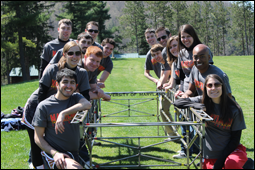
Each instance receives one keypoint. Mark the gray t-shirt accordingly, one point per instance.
(198, 79)
(50, 48)
(49, 80)
(105, 64)
(152, 64)
(185, 62)
(217, 134)
(46, 115)
(166, 65)
(57, 56)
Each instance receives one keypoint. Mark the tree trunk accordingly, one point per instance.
(21, 51)
(245, 29)
(243, 44)
(223, 42)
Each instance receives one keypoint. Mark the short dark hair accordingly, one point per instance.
(163, 28)
(66, 21)
(149, 30)
(84, 35)
(108, 40)
(92, 23)
(67, 73)
(157, 47)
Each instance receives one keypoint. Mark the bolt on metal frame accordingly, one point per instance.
(92, 119)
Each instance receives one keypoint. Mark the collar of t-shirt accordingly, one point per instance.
(62, 40)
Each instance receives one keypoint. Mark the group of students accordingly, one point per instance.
(68, 81)
(183, 63)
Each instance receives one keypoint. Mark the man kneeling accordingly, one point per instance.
(54, 134)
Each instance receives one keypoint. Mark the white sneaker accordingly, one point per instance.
(180, 156)
(179, 151)
(31, 166)
(87, 165)
(168, 139)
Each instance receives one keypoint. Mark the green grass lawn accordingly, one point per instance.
(127, 75)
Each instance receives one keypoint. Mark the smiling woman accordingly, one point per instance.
(227, 125)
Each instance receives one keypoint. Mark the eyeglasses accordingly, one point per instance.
(216, 85)
(84, 42)
(163, 37)
(77, 53)
(91, 30)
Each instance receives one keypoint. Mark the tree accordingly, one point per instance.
(133, 22)
(82, 12)
(179, 13)
(29, 18)
(206, 10)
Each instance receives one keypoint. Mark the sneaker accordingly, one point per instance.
(180, 156)
(168, 139)
(179, 151)
(31, 166)
(87, 165)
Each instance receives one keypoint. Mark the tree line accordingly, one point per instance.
(228, 29)
(25, 26)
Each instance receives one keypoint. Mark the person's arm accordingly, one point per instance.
(163, 78)
(43, 65)
(103, 78)
(97, 93)
(85, 94)
(59, 158)
(172, 83)
(42, 93)
(189, 93)
(149, 76)
(83, 104)
(230, 147)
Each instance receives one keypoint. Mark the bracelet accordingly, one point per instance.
(54, 154)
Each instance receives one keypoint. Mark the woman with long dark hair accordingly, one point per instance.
(221, 147)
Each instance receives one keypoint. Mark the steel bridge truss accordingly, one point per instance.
(92, 119)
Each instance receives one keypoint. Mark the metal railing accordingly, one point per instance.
(92, 119)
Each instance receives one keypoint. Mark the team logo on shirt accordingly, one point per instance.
(187, 65)
(199, 84)
(53, 84)
(68, 118)
(54, 52)
(101, 68)
(219, 123)
(153, 61)
(177, 72)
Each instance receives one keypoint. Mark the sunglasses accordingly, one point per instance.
(163, 37)
(216, 85)
(77, 53)
(91, 30)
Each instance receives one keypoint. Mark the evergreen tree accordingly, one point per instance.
(30, 22)
(82, 12)
(179, 13)
(133, 22)
(206, 10)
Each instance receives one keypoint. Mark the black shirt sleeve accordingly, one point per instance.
(44, 63)
(85, 94)
(42, 92)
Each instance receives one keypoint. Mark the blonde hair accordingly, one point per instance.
(170, 58)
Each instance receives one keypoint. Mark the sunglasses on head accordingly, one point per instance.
(216, 85)
(163, 37)
(91, 30)
(77, 53)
